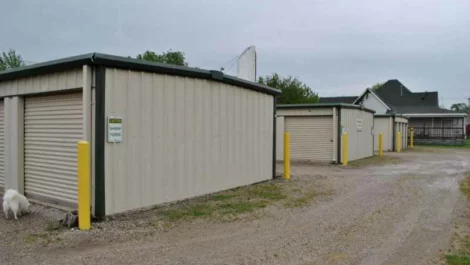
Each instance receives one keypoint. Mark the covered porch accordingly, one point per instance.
(438, 129)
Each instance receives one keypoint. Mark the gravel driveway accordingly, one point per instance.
(400, 213)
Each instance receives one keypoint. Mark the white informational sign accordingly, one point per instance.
(359, 125)
(115, 129)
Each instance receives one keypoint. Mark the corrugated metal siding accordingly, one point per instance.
(53, 125)
(360, 142)
(305, 112)
(43, 83)
(382, 125)
(2, 145)
(183, 137)
(311, 138)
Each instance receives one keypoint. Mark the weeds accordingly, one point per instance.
(229, 204)
(462, 256)
(375, 160)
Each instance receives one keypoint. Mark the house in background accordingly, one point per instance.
(432, 124)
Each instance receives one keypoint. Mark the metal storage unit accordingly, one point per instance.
(359, 124)
(185, 132)
(383, 124)
(401, 125)
(311, 137)
(53, 124)
(2, 145)
(316, 131)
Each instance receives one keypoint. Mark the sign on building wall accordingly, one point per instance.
(115, 129)
(359, 125)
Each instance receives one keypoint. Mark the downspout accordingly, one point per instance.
(338, 161)
(274, 136)
(100, 140)
(394, 133)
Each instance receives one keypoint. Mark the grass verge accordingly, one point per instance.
(375, 160)
(462, 255)
(457, 260)
(465, 146)
(228, 205)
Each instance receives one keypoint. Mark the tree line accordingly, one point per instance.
(293, 90)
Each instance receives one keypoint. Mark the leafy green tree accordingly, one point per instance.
(377, 86)
(10, 60)
(459, 107)
(293, 90)
(169, 57)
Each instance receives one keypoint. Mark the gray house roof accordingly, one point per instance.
(401, 100)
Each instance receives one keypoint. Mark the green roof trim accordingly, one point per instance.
(99, 59)
(323, 105)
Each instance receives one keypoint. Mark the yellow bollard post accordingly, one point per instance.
(381, 144)
(286, 155)
(84, 215)
(398, 142)
(412, 131)
(345, 149)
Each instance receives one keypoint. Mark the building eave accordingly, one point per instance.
(377, 97)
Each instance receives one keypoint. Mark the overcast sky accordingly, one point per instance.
(336, 47)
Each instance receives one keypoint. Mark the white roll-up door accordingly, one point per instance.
(2, 146)
(311, 138)
(52, 127)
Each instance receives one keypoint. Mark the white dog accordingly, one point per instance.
(16, 202)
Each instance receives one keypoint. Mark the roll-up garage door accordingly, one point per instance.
(311, 138)
(2, 146)
(52, 127)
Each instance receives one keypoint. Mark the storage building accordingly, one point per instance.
(316, 131)
(389, 125)
(158, 132)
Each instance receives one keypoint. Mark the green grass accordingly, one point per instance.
(374, 160)
(465, 146)
(230, 204)
(301, 201)
(457, 260)
(465, 186)
(463, 255)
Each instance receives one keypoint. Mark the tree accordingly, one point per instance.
(293, 90)
(10, 60)
(459, 107)
(169, 57)
(377, 86)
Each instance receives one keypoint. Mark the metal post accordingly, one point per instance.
(412, 132)
(345, 149)
(286, 155)
(398, 142)
(84, 215)
(381, 146)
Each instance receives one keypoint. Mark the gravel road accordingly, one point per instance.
(379, 215)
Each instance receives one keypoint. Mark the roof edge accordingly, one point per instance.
(131, 64)
(375, 95)
(435, 114)
(323, 105)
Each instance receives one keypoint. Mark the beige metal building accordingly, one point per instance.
(316, 129)
(158, 132)
(389, 125)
